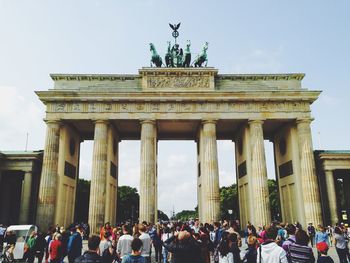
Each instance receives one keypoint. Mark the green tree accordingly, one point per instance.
(82, 201)
(274, 200)
(185, 215)
(128, 204)
(162, 216)
(229, 201)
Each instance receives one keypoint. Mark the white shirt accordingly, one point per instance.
(272, 253)
(226, 259)
(146, 244)
(124, 245)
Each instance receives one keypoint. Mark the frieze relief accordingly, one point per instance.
(178, 82)
(164, 107)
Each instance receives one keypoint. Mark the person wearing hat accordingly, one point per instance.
(322, 248)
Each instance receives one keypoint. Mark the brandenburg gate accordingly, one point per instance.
(171, 104)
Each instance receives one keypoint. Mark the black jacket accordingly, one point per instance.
(89, 257)
(185, 251)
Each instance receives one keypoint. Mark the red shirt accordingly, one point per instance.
(55, 249)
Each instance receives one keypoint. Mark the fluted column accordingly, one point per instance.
(332, 198)
(98, 177)
(210, 173)
(310, 189)
(148, 171)
(260, 191)
(49, 177)
(25, 199)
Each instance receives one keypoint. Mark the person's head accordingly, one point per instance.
(33, 234)
(290, 229)
(322, 247)
(136, 245)
(183, 235)
(107, 225)
(337, 230)
(126, 229)
(93, 243)
(271, 232)
(251, 241)
(142, 228)
(58, 236)
(301, 238)
(251, 230)
(224, 246)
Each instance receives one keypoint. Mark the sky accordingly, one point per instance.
(42, 37)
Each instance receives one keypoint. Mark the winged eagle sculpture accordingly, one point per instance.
(175, 27)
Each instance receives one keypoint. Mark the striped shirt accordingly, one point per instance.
(301, 254)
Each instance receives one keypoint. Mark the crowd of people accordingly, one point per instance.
(192, 242)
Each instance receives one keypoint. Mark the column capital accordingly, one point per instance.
(151, 121)
(213, 121)
(53, 121)
(105, 121)
(257, 121)
(304, 120)
(328, 170)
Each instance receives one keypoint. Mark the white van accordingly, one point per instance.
(22, 233)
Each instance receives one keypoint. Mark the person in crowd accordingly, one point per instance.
(340, 244)
(329, 232)
(322, 248)
(269, 251)
(156, 234)
(91, 255)
(311, 232)
(196, 226)
(75, 245)
(291, 229)
(40, 247)
(281, 234)
(106, 231)
(48, 239)
(29, 254)
(146, 242)
(135, 231)
(124, 242)
(251, 252)
(321, 235)
(104, 244)
(165, 236)
(2, 237)
(110, 255)
(233, 229)
(135, 256)
(11, 239)
(205, 244)
(300, 251)
(225, 253)
(55, 249)
(183, 248)
(64, 241)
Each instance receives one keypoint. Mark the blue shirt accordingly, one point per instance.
(321, 237)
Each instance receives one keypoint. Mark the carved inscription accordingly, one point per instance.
(178, 82)
(181, 106)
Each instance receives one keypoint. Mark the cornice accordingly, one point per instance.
(91, 77)
(245, 77)
(220, 96)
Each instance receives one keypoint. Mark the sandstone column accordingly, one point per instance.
(210, 172)
(25, 199)
(260, 191)
(49, 177)
(332, 198)
(148, 171)
(98, 177)
(309, 182)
